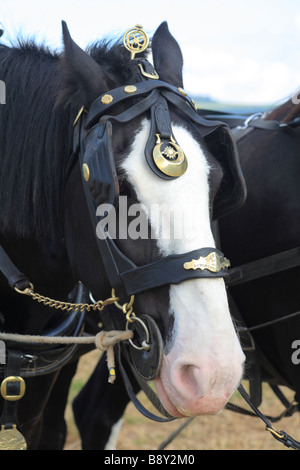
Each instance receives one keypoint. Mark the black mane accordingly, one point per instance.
(36, 134)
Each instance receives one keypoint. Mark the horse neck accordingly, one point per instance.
(46, 265)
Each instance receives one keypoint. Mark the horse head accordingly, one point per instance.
(140, 139)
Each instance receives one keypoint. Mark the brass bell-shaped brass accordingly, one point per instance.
(169, 159)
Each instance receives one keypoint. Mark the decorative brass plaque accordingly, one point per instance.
(12, 439)
(213, 262)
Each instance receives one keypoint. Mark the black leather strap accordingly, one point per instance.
(98, 108)
(151, 395)
(168, 270)
(281, 435)
(263, 267)
(10, 271)
(13, 367)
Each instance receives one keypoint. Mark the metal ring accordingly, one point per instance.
(92, 298)
(145, 344)
(249, 119)
(129, 315)
(26, 291)
(128, 305)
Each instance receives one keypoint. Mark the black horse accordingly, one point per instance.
(49, 225)
(264, 226)
(267, 225)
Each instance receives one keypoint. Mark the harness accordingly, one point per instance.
(92, 146)
(93, 142)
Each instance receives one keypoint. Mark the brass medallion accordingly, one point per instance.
(213, 262)
(136, 40)
(12, 439)
(169, 159)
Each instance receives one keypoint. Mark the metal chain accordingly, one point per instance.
(127, 309)
(66, 306)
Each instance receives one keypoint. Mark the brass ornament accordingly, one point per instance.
(12, 439)
(86, 172)
(136, 40)
(213, 262)
(106, 99)
(130, 89)
(171, 159)
(78, 116)
(181, 90)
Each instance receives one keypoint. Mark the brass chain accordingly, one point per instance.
(66, 306)
(126, 308)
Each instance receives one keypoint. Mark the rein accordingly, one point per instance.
(255, 121)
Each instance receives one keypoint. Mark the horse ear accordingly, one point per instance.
(167, 56)
(83, 79)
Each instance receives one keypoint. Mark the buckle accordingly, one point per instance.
(12, 380)
(153, 75)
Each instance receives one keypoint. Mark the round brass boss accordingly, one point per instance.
(106, 99)
(129, 89)
(86, 172)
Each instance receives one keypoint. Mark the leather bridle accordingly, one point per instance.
(93, 145)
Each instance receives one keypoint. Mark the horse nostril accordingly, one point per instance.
(190, 380)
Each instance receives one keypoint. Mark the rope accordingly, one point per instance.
(104, 341)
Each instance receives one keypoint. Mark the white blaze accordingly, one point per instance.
(203, 328)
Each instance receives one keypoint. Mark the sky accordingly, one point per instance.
(235, 51)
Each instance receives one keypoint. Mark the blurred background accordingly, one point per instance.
(236, 52)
